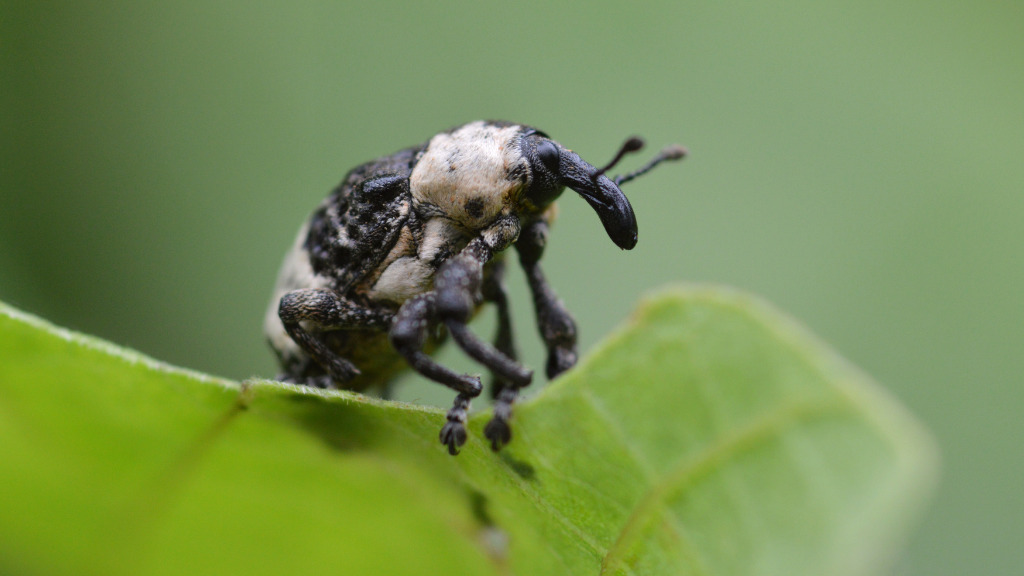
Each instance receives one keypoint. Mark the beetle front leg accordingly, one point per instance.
(408, 335)
(554, 322)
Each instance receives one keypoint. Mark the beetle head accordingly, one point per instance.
(555, 167)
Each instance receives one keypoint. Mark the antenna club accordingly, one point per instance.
(633, 144)
(674, 152)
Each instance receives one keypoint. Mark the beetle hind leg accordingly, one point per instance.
(306, 314)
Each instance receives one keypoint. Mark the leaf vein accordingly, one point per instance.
(760, 431)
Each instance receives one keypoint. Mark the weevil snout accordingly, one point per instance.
(604, 194)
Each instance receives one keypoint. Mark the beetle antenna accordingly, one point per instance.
(632, 144)
(673, 152)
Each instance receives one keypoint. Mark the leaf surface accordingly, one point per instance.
(710, 435)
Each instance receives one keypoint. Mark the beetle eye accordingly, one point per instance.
(548, 154)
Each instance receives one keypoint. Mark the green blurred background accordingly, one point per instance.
(859, 164)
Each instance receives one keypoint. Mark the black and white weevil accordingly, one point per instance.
(413, 241)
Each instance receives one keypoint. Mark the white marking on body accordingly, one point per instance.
(438, 233)
(296, 273)
(403, 279)
(412, 274)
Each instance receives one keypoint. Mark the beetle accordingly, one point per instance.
(408, 247)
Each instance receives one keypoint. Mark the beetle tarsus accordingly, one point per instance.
(453, 434)
(498, 430)
(560, 359)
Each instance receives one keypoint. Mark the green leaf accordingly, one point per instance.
(711, 435)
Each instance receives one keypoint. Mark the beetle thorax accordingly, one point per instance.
(470, 175)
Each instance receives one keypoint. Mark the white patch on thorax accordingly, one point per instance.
(466, 173)
(464, 179)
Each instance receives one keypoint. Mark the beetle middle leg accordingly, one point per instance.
(408, 335)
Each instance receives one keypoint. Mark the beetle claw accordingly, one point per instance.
(341, 371)
(498, 432)
(559, 360)
(453, 435)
